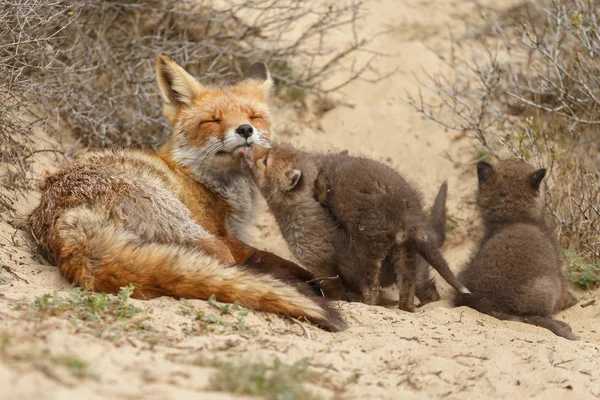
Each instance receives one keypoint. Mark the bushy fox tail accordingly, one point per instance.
(94, 253)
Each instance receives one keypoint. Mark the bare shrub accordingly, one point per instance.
(28, 38)
(105, 85)
(90, 63)
(525, 82)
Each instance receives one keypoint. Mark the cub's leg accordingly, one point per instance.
(369, 285)
(406, 270)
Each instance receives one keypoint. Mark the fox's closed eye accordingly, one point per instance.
(256, 117)
(208, 121)
(265, 160)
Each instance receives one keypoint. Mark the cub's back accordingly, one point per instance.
(367, 195)
(514, 265)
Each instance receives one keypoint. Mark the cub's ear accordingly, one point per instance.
(177, 87)
(293, 179)
(484, 171)
(536, 178)
(260, 73)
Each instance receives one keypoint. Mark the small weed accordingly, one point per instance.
(185, 308)
(3, 279)
(75, 365)
(587, 276)
(285, 91)
(14, 355)
(276, 382)
(353, 378)
(451, 223)
(216, 323)
(482, 155)
(99, 311)
(84, 304)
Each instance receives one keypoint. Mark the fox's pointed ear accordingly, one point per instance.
(484, 171)
(536, 178)
(293, 179)
(260, 72)
(177, 86)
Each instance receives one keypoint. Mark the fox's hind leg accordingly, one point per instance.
(264, 261)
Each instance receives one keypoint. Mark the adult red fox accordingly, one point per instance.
(174, 223)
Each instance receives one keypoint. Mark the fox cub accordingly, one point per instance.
(174, 223)
(348, 216)
(516, 272)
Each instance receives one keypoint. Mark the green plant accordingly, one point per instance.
(277, 382)
(82, 304)
(219, 323)
(13, 355)
(585, 275)
(103, 313)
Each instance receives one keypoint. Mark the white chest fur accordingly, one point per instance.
(240, 193)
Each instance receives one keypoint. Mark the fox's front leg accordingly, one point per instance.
(264, 261)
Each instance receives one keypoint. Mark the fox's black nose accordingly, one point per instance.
(245, 130)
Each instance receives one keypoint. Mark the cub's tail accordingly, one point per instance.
(94, 253)
(559, 328)
(425, 288)
(431, 253)
(438, 214)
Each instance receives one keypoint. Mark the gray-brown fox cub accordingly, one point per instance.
(516, 272)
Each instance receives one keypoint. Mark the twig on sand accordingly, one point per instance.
(588, 303)
(5, 203)
(304, 328)
(13, 273)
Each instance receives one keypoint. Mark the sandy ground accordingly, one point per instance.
(437, 352)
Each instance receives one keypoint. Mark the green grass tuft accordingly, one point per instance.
(230, 318)
(106, 315)
(586, 276)
(15, 355)
(276, 382)
(82, 304)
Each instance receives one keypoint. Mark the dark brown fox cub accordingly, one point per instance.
(516, 273)
(351, 217)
